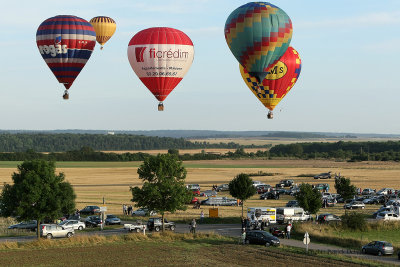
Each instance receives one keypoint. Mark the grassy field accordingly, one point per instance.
(160, 249)
(94, 180)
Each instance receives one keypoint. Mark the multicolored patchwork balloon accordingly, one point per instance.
(160, 57)
(280, 79)
(66, 44)
(105, 28)
(258, 34)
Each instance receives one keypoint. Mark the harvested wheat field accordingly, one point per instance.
(112, 182)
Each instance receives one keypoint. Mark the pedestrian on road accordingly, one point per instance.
(193, 226)
(288, 229)
(201, 216)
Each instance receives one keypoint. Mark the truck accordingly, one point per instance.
(260, 216)
(286, 214)
(135, 227)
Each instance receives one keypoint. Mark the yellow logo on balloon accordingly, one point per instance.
(278, 71)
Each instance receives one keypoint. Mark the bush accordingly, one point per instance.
(354, 221)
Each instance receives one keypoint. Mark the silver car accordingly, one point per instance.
(53, 230)
(77, 225)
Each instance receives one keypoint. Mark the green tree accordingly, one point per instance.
(309, 198)
(345, 188)
(241, 187)
(163, 185)
(37, 193)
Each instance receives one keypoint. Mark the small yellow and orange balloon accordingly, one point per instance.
(105, 28)
(278, 82)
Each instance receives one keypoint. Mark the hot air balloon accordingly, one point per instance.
(278, 82)
(160, 57)
(66, 44)
(258, 34)
(104, 27)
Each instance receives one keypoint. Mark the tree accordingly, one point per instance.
(37, 193)
(309, 198)
(241, 187)
(345, 188)
(164, 185)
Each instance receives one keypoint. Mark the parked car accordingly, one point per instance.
(383, 209)
(156, 224)
(208, 193)
(385, 191)
(261, 238)
(371, 200)
(137, 227)
(378, 248)
(29, 225)
(53, 230)
(354, 205)
(263, 188)
(143, 212)
(324, 175)
(387, 216)
(328, 218)
(368, 191)
(196, 192)
(269, 195)
(93, 221)
(322, 187)
(90, 210)
(257, 183)
(223, 187)
(75, 224)
(193, 186)
(219, 201)
(286, 183)
(112, 219)
(292, 203)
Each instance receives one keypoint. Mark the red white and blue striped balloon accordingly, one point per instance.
(66, 44)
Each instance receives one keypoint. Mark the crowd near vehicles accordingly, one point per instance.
(50, 231)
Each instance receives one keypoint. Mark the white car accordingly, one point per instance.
(75, 224)
(53, 230)
(354, 205)
(143, 212)
(387, 216)
(257, 183)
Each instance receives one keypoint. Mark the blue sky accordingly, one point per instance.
(349, 80)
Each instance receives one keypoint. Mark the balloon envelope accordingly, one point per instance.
(258, 34)
(281, 78)
(66, 44)
(105, 28)
(160, 57)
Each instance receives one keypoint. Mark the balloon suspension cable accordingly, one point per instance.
(66, 95)
(101, 47)
(270, 115)
(160, 106)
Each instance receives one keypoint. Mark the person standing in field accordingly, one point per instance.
(288, 229)
(193, 226)
(201, 216)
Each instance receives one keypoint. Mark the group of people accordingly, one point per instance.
(127, 209)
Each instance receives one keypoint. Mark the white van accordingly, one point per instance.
(285, 214)
(261, 214)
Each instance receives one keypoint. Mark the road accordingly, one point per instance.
(233, 230)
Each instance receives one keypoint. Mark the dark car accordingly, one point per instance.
(261, 238)
(222, 187)
(93, 221)
(328, 218)
(325, 175)
(156, 224)
(287, 183)
(91, 210)
(270, 195)
(378, 248)
(30, 225)
(112, 219)
(292, 203)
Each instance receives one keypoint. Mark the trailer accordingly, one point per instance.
(258, 217)
(286, 214)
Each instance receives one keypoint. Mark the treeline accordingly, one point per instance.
(353, 151)
(89, 154)
(67, 142)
